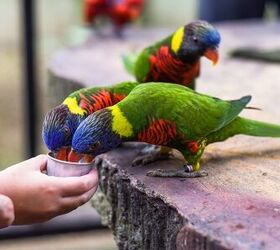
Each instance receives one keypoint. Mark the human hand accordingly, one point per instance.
(7, 214)
(38, 197)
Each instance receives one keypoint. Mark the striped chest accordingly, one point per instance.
(159, 132)
(99, 100)
(165, 68)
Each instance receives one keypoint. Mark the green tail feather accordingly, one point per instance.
(129, 63)
(246, 127)
(256, 128)
(236, 106)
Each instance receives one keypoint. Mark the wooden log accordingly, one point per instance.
(238, 205)
(221, 211)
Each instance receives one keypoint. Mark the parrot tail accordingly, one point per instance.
(244, 126)
(257, 128)
(129, 62)
(236, 106)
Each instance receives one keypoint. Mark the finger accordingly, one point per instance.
(38, 163)
(73, 186)
(7, 215)
(71, 203)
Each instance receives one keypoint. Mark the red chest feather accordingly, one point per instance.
(99, 100)
(165, 68)
(159, 132)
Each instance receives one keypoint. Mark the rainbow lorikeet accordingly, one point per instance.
(61, 122)
(120, 12)
(169, 115)
(176, 58)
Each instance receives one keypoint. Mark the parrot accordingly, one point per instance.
(119, 11)
(176, 58)
(61, 122)
(172, 116)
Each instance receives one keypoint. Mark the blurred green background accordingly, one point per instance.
(55, 21)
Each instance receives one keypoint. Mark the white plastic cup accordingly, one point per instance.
(61, 168)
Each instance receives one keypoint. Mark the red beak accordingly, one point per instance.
(88, 158)
(213, 55)
(74, 156)
(61, 154)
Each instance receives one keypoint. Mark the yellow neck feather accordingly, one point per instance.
(72, 104)
(177, 39)
(120, 124)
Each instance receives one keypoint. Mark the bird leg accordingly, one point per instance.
(187, 171)
(191, 169)
(152, 153)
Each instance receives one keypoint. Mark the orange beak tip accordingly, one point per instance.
(212, 55)
(73, 156)
(61, 154)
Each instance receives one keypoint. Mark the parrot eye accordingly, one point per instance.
(195, 39)
(66, 130)
(95, 146)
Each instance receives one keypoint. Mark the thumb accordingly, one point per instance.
(39, 162)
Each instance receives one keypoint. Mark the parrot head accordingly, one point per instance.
(58, 127)
(196, 39)
(94, 135)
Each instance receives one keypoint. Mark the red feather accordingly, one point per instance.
(119, 11)
(166, 68)
(159, 132)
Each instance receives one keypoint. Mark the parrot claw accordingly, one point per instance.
(182, 173)
(148, 158)
(150, 154)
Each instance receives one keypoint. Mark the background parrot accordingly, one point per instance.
(170, 115)
(176, 58)
(61, 122)
(119, 11)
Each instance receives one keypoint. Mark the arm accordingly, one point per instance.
(38, 197)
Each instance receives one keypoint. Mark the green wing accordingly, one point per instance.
(142, 65)
(195, 115)
(120, 88)
(129, 61)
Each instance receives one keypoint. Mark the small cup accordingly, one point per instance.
(60, 168)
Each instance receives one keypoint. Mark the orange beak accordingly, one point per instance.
(88, 158)
(212, 55)
(61, 154)
(74, 156)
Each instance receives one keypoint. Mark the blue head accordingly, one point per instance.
(94, 135)
(58, 127)
(198, 38)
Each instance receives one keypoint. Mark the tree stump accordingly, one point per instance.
(237, 206)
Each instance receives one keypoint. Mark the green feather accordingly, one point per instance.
(129, 61)
(245, 126)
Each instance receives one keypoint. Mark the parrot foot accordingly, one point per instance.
(185, 172)
(151, 154)
(146, 159)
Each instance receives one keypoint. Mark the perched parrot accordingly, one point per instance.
(169, 115)
(61, 122)
(119, 11)
(176, 58)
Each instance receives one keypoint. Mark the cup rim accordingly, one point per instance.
(49, 155)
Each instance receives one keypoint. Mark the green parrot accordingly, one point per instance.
(176, 58)
(169, 115)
